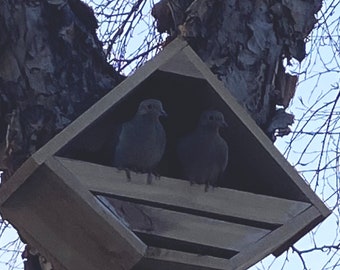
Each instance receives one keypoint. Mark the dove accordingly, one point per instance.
(203, 154)
(142, 140)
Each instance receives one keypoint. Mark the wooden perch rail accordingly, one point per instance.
(174, 193)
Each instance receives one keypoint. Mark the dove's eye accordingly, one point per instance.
(149, 106)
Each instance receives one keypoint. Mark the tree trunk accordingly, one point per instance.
(244, 43)
(52, 69)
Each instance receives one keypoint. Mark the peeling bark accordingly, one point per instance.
(53, 68)
(244, 44)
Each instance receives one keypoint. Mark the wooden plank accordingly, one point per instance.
(42, 251)
(287, 244)
(165, 259)
(107, 102)
(180, 64)
(129, 241)
(70, 224)
(186, 228)
(249, 124)
(17, 179)
(178, 193)
(267, 245)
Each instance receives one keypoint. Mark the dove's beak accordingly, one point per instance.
(163, 113)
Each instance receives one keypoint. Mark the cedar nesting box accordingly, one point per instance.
(81, 213)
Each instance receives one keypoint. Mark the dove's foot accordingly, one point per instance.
(128, 174)
(157, 176)
(149, 179)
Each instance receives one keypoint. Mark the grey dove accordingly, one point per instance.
(203, 154)
(142, 140)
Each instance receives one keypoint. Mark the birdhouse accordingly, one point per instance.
(80, 212)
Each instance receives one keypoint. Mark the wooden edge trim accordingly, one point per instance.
(183, 260)
(270, 243)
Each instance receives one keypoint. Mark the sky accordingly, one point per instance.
(314, 91)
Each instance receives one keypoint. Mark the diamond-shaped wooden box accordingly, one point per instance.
(82, 213)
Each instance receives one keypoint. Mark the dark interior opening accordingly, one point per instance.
(250, 168)
(167, 243)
